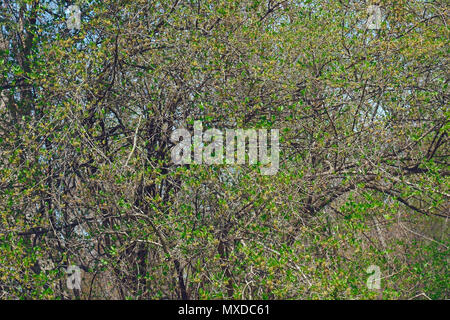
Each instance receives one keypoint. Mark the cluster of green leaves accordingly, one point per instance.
(86, 176)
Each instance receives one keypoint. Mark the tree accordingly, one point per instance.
(87, 178)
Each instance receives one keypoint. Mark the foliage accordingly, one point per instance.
(86, 177)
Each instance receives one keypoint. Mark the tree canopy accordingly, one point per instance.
(86, 176)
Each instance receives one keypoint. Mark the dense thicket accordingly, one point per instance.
(86, 177)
